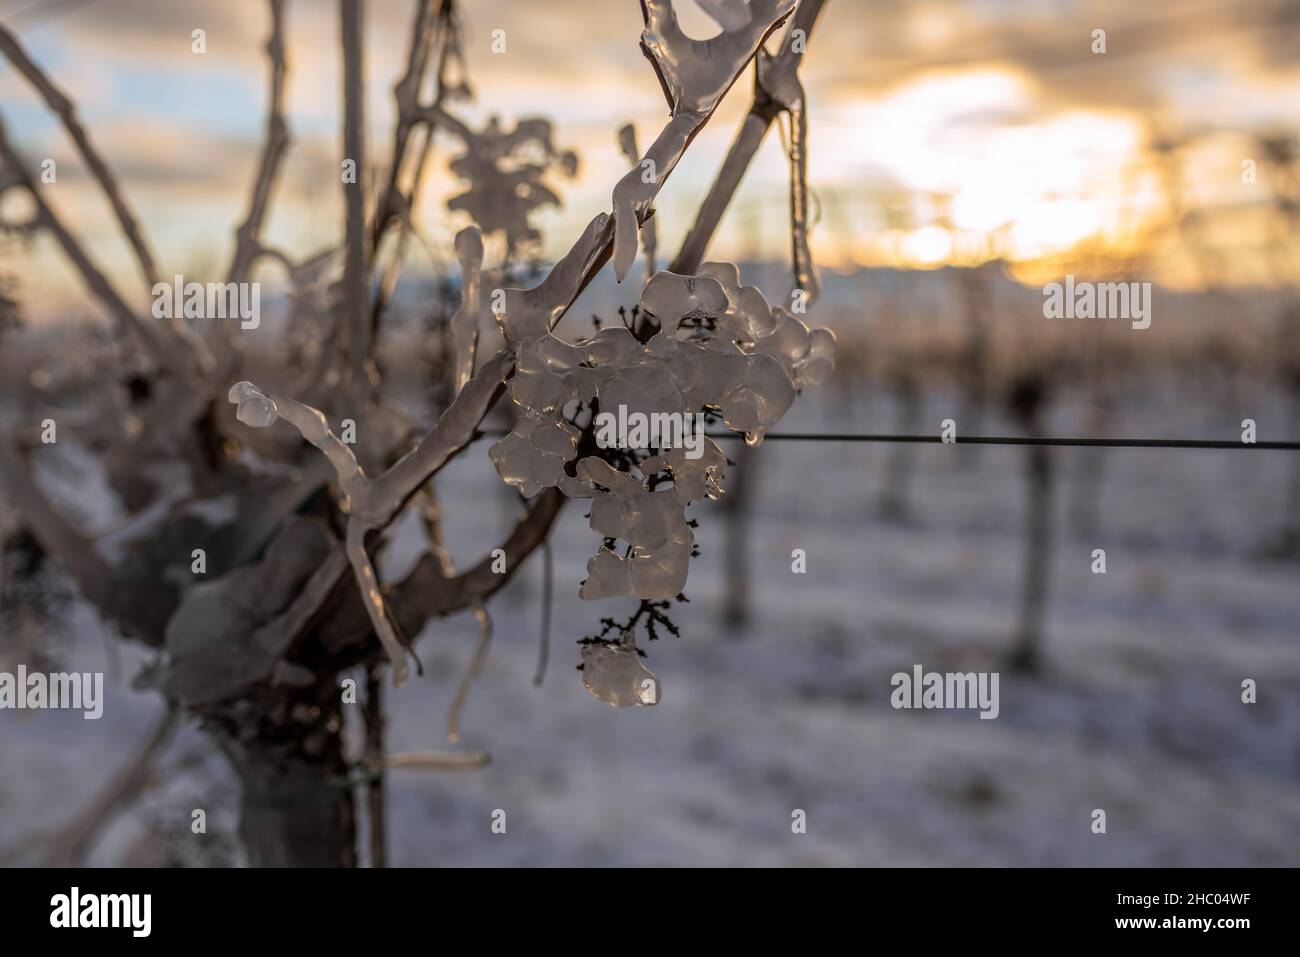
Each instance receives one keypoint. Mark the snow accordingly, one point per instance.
(1139, 711)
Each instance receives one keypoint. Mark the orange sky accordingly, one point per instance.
(942, 132)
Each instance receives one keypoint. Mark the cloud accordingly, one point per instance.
(183, 130)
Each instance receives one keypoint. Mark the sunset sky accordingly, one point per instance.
(942, 132)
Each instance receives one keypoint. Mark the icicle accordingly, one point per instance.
(627, 142)
(778, 77)
(471, 672)
(464, 324)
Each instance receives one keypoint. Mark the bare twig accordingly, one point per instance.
(437, 760)
(392, 205)
(54, 532)
(396, 207)
(374, 752)
(247, 236)
(164, 351)
(59, 102)
(354, 197)
(548, 599)
(476, 662)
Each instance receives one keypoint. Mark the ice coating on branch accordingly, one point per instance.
(778, 77)
(730, 14)
(254, 408)
(464, 324)
(258, 409)
(694, 75)
(720, 346)
(373, 598)
(627, 143)
(613, 672)
(528, 313)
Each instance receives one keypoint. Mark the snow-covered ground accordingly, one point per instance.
(1139, 711)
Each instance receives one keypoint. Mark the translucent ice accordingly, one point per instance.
(695, 74)
(464, 324)
(720, 345)
(532, 456)
(613, 672)
(254, 408)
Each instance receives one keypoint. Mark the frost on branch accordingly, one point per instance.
(694, 74)
(716, 345)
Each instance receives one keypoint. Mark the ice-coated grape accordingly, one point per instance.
(533, 455)
(613, 672)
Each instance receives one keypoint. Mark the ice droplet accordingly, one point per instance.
(613, 673)
(254, 407)
(754, 439)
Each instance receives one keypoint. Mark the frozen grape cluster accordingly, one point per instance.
(505, 171)
(719, 346)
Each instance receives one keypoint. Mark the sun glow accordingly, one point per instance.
(995, 164)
